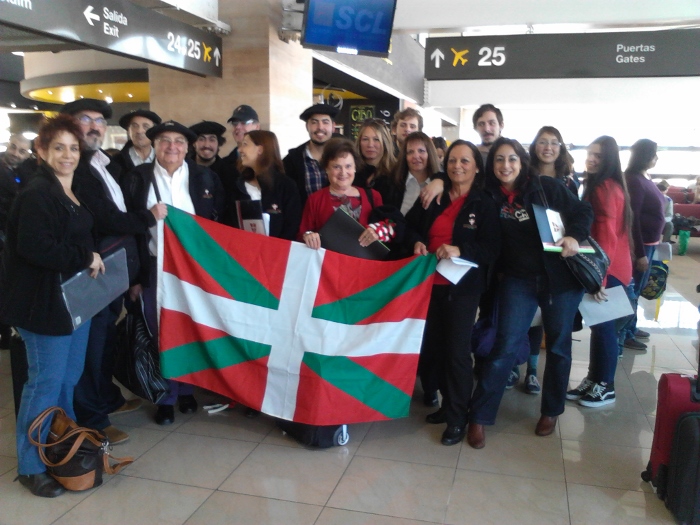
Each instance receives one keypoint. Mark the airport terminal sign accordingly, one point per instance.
(590, 55)
(119, 27)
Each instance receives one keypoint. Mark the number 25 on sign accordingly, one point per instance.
(492, 56)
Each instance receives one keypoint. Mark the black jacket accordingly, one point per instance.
(205, 190)
(37, 252)
(577, 217)
(123, 159)
(280, 200)
(295, 168)
(476, 232)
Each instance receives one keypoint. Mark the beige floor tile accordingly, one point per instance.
(394, 488)
(518, 414)
(137, 501)
(8, 445)
(7, 463)
(143, 418)
(655, 357)
(189, 460)
(224, 508)
(228, 425)
(345, 517)
(600, 425)
(523, 456)
(484, 498)
(597, 505)
(409, 439)
(291, 474)
(141, 440)
(18, 506)
(605, 465)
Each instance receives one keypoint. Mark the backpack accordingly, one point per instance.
(656, 285)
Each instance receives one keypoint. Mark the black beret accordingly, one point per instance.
(243, 113)
(207, 127)
(173, 126)
(319, 109)
(88, 104)
(126, 119)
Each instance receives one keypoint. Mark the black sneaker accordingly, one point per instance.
(633, 344)
(599, 395)
(641, 335)
(580, 391)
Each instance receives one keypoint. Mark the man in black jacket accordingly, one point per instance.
(303, 162)
(96, 183)
(138, 150)
(170, 179)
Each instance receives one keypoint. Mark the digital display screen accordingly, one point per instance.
(357, 27)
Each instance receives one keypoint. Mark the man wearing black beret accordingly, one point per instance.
(210, 137)
(180, 182)
(303, 162)
(96, 182)
(138, 150)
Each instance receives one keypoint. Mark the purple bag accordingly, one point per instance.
(484, 337)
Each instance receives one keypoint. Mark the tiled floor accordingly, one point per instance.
(227, 469)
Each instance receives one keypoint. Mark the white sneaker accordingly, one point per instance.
(599, 395)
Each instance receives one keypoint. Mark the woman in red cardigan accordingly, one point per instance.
(339, 161)
(606, 190)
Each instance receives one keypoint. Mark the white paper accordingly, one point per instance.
(663, 252)
(266, 223)
(556, 225)
(455, 268)
(617, 305)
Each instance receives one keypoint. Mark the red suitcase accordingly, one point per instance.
(678, 394)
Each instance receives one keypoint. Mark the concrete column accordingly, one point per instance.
(259, 69)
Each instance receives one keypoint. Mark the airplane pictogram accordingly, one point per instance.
(207, 53)
(459, 55)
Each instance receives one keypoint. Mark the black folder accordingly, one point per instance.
(341, 234)
(85, 296)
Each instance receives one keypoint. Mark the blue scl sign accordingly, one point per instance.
(361, 25)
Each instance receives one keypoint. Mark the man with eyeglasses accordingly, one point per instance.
(96, 183)
(303, 162)
(138, 150)
(180, 182)
(243, 120)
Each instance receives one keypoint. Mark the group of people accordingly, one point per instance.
(79, 205)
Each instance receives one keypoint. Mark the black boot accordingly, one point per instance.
(41, 485)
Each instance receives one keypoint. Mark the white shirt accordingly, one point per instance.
(412, 192)
(173, 190)
(253, 191)
(138, 160)
(99, 161)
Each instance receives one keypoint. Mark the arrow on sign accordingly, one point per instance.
(217, 56)
(437, 56)
(90, 16)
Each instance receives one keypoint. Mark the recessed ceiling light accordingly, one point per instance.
(18, 53)
(130, 95)
(109, 100)
(13, 105)
(99, 91)
(50, 92)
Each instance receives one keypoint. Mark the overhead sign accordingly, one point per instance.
(119, 27)
(591, 55)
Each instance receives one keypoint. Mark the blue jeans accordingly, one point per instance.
(639, 282)
(55, 365)
(518, 302)
(605, 345)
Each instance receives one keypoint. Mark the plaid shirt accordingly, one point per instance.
(315, 178)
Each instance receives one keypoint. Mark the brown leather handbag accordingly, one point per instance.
(74, 456)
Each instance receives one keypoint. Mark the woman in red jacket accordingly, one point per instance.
(606, 190)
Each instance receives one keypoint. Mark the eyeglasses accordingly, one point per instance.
(169, 142)
(235, 123)
(89, 120)
(545, 143)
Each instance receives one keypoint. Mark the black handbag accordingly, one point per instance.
(74, 456)
(137, 361)
(589, 269)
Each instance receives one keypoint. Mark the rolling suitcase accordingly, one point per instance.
(314, 435)
(683, 488)
(678, 394)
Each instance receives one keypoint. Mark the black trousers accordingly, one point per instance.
(446, 358)
(95, 394)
